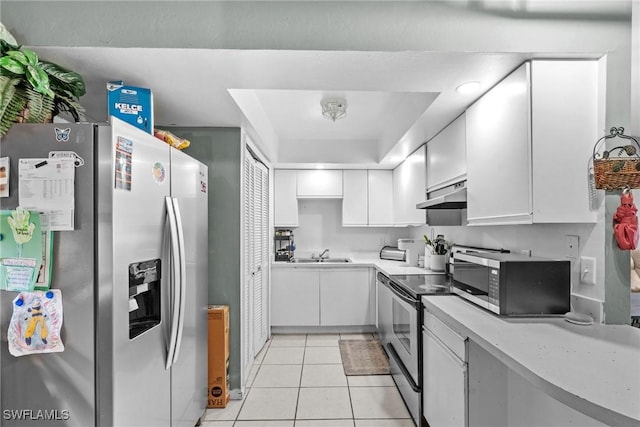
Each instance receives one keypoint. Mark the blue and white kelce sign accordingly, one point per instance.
(131, 104)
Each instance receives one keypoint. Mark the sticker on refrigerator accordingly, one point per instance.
(203, 183)
(62, 135)
(159, 172)
(36, 323)
(77, 160)
(4, 177)
(48, 185)
(124, 152)
(21, 249)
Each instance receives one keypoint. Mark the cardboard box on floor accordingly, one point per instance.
(218, 325)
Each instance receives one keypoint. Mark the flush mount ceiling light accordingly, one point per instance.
(468, 87)
(334, 108)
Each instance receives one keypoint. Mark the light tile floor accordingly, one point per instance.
(298, 380)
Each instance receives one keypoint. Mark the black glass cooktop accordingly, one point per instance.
(423, 284)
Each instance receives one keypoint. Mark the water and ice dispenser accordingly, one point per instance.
(144, 296)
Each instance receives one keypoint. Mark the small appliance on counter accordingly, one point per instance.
(392, 253)
(413, 248)
(283, 245)
(512, 284)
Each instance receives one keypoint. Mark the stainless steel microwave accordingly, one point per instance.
(513, 285)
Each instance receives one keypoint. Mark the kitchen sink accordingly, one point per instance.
(317, 260)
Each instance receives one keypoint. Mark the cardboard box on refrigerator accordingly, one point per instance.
(218, 325)
(131, 104)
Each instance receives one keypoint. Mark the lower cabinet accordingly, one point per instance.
(322, 297)
(346, 297)
(445, 390)
(295, 297)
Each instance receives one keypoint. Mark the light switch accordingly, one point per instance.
(588, 270)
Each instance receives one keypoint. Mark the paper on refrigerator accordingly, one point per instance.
(20, 249)
(47, 185)
(4, 176)
(36, 323)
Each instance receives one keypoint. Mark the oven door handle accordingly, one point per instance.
(397, 292)
(405, 372)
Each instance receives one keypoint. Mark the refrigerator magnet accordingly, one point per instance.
(159, 172)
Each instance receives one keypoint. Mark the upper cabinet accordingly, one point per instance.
(285, 198)
(381, 198)
(320, 183)
(368, 198)
(409, 180)
(446, 156)
(528, 142)
(355, 203)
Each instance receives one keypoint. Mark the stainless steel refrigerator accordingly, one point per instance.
(133, 277)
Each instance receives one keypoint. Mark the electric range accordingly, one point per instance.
(400, 330)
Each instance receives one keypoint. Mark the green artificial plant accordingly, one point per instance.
(33, 90)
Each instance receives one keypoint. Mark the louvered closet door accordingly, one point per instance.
(260, 254)
(246, 350)
(255, 294)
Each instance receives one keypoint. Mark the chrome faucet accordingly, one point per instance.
(322, 255)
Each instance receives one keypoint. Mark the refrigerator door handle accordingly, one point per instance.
(174, 280)
(183, 277)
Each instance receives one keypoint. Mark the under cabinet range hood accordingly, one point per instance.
(450, 197)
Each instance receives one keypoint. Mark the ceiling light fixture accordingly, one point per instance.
(334, 108)
(469, 87)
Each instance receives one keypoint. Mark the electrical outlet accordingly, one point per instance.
(571, 246)
(588, 270)
(525, 252)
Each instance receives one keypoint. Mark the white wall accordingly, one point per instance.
(320, 227)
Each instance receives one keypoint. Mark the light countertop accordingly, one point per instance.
(387, 267)
(593, 369)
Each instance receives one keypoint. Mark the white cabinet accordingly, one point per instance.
(295, 297)
(381, 198)
(346, 297)
(527, 149)
(409, 180)
(285, 198)
(319, 183)
(324, 296)
(368, 198)
(355, 203)
(445, 392)
(446, 156)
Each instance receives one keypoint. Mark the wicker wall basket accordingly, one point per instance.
(615, 173)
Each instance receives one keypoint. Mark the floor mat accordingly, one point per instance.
(363, 357)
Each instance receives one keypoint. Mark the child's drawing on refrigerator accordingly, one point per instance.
(36, 323)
